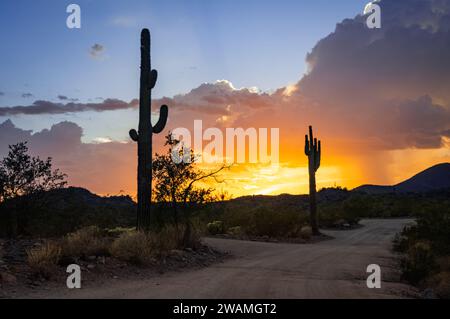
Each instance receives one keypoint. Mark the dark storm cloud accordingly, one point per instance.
(79, 160)
(47, 107)
(395, 80)
(387, 88)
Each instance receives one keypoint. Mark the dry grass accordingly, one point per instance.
(87, 241)
(215, 228)
(440, 283)
(444, 263)
(141, 248)
(167, 239)
(134, 247)
(235, 231)
(443, 287)
(43, 259)
(306, 232)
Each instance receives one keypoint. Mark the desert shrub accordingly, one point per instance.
(201, 228)
(306, 232)
(441, 284)
(134, 247)
(419, 262)
(87, 241)
(329, 214)
(168, 238)
(402, 241)
(141, 248)
(235, 231)
(443, 263)
(191, 237)
(401, 207)
(43, 259)
(434, 226)
(215, 227)
(236, 217)
(268, 222)
(426, 246)
(354, 207)
(264, 221)
(332, 214)
(117, 231)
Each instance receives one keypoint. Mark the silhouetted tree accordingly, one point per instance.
(177, 183)
(22, 174)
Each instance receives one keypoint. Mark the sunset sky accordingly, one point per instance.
(379, 99)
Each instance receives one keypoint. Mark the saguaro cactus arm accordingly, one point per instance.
(163, 114)
(318, 156)
(153, 78)
(307, 150)
(134, 135)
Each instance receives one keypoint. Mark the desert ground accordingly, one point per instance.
(333, 268)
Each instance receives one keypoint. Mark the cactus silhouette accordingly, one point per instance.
(145, 134)
(313, 151)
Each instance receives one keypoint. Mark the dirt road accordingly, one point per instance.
(329, 269)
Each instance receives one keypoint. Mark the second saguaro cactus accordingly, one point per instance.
(145, 132)
(313, 151)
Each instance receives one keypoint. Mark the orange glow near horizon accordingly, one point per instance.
(383, 168)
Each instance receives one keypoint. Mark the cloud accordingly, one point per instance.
(371, 95)
(65, 98)
(97, 50)
(9, 133)
(389, 87)
(100, 140)
(382, 89)
(218, 98)
(2, 93)
(368, 93)
(27, 95)
(47, 107)
(113, 163)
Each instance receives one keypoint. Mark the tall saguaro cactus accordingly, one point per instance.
(313, 151)
(146, 131)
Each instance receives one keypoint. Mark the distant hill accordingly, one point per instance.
(284, 202)
(60, 211)
(64, 196)
(434, 178)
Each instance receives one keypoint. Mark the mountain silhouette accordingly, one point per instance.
(432, 179)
